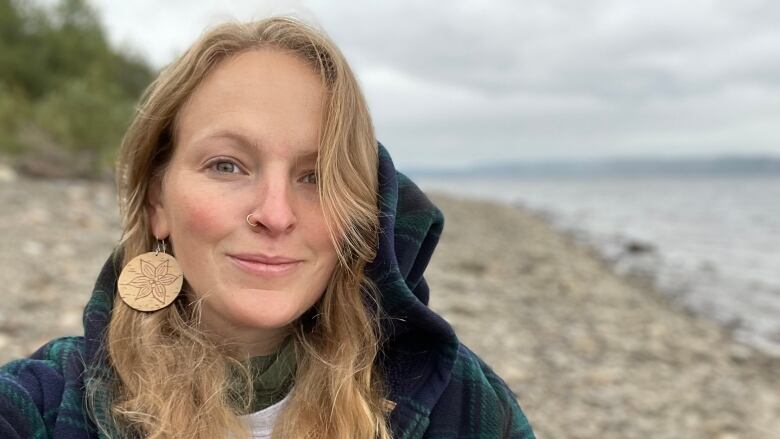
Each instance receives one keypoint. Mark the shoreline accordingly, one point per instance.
(704, 242)
(638, 263)
(640, 280)
(588, 353)
(644, 276)
(644, 283)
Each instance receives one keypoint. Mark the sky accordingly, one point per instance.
(455, 82)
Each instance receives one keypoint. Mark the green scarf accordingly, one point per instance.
(272, 376)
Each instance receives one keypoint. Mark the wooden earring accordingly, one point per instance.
(150, 281)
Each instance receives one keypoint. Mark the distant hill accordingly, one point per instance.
(722, 165)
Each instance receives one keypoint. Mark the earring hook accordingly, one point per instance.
(159, 242)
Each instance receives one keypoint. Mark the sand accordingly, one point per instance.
(589, 354)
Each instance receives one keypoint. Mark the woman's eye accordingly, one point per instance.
(225, 167)
(311, 177)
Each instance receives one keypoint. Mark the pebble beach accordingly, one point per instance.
(589, 354)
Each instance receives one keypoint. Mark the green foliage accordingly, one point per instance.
(61, 81)
(14, 110)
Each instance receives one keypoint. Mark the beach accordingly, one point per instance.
(588, 353)
(591, 354)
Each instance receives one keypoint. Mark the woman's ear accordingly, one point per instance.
(158, 220)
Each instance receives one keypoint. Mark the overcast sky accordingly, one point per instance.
(449, 82)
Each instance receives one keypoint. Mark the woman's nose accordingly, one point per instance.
(274, 212)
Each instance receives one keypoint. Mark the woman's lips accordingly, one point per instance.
(262, 269)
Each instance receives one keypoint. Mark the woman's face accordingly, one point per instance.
(247, 143)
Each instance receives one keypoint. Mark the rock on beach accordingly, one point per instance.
(588, 353)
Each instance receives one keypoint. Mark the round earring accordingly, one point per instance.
(150, 281)
(249, 221)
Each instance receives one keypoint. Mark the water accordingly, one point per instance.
(712, 243)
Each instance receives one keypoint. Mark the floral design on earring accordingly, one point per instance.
(153, 280)
(150, 281)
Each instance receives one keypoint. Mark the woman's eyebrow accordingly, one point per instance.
(307, 156)
(244, 142)
(226, 134)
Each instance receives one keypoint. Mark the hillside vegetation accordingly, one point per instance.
(66, 95)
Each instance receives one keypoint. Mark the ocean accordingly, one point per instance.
(712, 243)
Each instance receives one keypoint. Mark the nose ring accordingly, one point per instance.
(249, 221)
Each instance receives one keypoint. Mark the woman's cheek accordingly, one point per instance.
(203, 215)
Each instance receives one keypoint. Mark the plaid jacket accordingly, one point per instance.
(439, 387)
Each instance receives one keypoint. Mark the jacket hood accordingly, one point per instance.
(419, 345)
(410, 226)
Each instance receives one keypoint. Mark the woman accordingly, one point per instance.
(251, 181)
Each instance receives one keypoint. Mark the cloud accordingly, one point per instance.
(556, 78)
(510, 79)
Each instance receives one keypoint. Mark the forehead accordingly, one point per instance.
(265, 96)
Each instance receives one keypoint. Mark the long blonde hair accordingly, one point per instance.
(337, 390)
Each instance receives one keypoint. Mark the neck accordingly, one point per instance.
(247, 342)
(263, 347)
